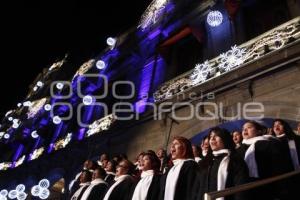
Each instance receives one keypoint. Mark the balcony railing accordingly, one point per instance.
(236, 57)
(248, 186)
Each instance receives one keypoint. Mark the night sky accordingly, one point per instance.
(35, 33)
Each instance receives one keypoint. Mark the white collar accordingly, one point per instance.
(221, 151)
(122, 177)
(280, 136)
(97, 181)
(178, 161)
(254, 140)
(86, 183)
(112, 173)
(147, 173)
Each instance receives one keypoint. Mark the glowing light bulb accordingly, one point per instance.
(47, 107)
(214, 18)
(100, 64)
(87, 100)
(111, 41)
(56, 120)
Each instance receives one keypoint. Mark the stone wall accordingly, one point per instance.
(279, 92)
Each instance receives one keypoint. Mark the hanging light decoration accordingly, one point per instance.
(47, 107)
(3, 194)
(34, 134)
(111, 41)
(87, 100)
(200, 73)
(100, 64)
(18, 193)
(214, 18)
(59, 86)
(56, 120)
(41, 190)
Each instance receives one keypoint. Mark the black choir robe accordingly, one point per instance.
(98, 192)
(208, 177)
(154, 189)
(80, 194)
(290, 186)
(185, 183)
(124, 190)
(269, 158)
(109, 179)
(286, 150)
(271, 162)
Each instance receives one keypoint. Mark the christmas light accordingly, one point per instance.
(232, 58)
(214, 18)
(100, 64)
(152, 13)
(41, 190)
(3, 194)
(87, 100)
(111, 41)
(56, 120)
(47, 107)
(40, 83)
(34, 134)
(200, 72)
(59, 86)
(101, 124)
(6, 136)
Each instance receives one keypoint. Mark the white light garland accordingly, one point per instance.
(37, 153)
(235, 57)
(152, 13)
(57, 64)
(35, 107)
(84, 68)
(8, 112)
(63, 142)
(18, 193)
(41, 190)
(1, 134)
(200, 72)
(232, 58)
(3, 194)
(27, 103)
(167, 90)
(5, 165)
(101, 124)
(20, 161)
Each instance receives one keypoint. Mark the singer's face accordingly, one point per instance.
(215, 142)
(177, 150)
